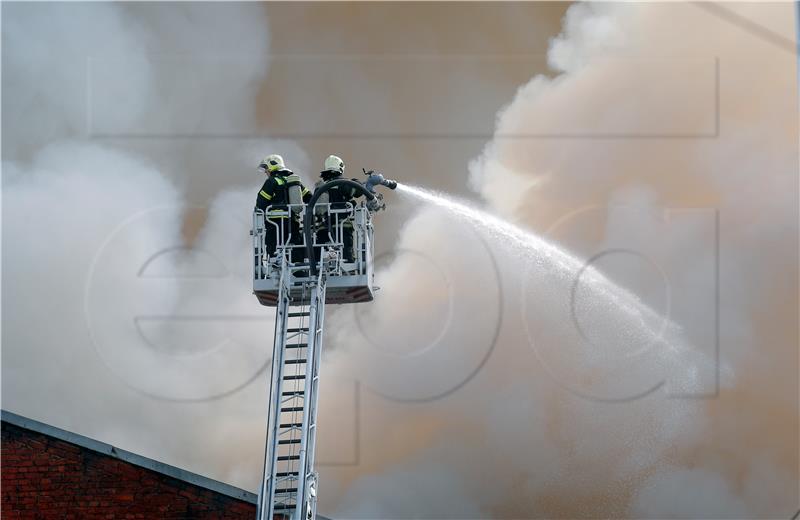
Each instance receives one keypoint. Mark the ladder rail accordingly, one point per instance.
(304, 481)
(266, 492)
(312, 401)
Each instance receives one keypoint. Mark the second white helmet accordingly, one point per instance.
(334, 163)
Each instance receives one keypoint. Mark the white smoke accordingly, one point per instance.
(88, 193)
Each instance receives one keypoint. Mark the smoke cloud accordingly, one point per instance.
(478, 383)
(628, 148)
(86, 210)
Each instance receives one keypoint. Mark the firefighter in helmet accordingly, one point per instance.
(339, 197)
(282, 198)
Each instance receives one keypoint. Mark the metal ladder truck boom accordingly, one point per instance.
(299, 292)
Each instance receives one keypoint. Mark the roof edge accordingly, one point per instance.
(127, 456)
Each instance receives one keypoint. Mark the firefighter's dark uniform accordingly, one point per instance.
(274, 195)
(338, 197)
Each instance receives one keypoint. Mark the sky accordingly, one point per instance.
(653, 145)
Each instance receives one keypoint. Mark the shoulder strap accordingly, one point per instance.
(292, 179)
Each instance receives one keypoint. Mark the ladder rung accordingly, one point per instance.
(295, 361)
(289, 457)
(285, 490)
(292, 425)
(284, 507)
(297, 329)
(297, 345)
(287, 474)
(297, 314)
(294, 378)
(293, 394)
(290, 441)
(292, 409)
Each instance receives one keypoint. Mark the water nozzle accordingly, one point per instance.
(376, 179)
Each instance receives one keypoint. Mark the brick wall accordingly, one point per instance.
(44, 477)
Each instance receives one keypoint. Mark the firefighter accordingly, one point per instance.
(282, 193)
(338, 197)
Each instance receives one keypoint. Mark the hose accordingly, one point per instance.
(309, 218)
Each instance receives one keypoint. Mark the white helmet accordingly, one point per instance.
(272, 162)
(334, 164)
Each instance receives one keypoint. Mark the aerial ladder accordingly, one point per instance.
(299, 291)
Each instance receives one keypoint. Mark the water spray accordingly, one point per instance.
(556, 260)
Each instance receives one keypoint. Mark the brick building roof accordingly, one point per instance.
(48, 472)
